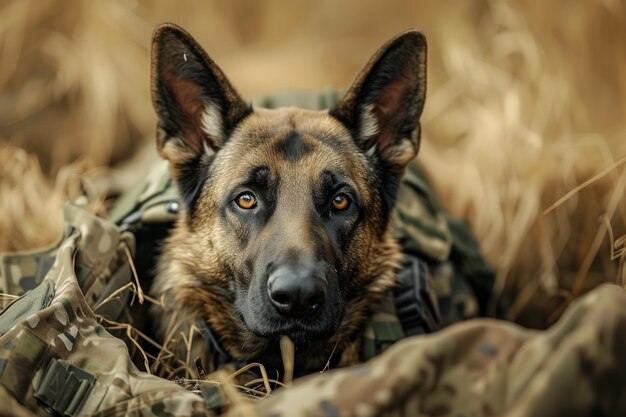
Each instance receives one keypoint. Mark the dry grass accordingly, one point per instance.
(526, 102)
(31, 204)
(530, 109)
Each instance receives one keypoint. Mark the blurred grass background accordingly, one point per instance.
(526, 100)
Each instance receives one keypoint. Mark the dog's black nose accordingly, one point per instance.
(296, 293)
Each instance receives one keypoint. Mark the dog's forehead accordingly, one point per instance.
(293, 142)
(266, 124)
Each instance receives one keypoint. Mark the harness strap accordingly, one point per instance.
(154, 200)
(218, 354)
(410, 309)
(416, 302)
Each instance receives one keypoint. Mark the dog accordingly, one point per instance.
(285, 221)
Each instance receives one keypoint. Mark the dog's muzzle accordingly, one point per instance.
(297, 293)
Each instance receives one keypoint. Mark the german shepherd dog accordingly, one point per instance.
(285, 224)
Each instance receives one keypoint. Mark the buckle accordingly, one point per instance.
(64, 387)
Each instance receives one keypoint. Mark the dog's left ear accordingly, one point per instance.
(383, 106)
(196, 105)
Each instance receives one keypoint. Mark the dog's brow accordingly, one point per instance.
(258, 176)
(329, 180)
(331, 140)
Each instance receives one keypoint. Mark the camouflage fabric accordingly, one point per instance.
(481, 367)
(23, 271)
(101, 266)
(54, 354)
(459, 276)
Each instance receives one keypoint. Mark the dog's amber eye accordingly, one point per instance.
(341, 202)
(246, 201)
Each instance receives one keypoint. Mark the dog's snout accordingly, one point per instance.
(296, 293)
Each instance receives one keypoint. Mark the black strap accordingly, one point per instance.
(416, 305)
(220, 357)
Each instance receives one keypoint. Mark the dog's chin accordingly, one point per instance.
(301, 332)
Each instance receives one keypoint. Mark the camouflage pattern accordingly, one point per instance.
(64, 328)
(425, 230)
(152, 201)
(480, 367)
(23, 271)
(102, 265)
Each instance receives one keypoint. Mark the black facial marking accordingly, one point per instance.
(292, 147)
(258, 176)
(339, 225)
(261, 183)
(329, 180)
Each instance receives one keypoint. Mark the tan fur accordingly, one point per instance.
(186, 261)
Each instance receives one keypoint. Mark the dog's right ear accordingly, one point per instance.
(196, 106)
(384, 104)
